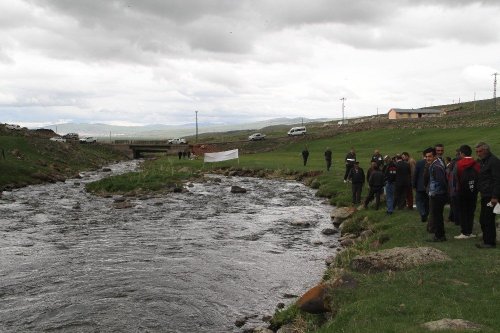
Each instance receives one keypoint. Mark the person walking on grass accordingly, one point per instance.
(328, 159)
(357, 178)
(376, 183)
(350, 159)
(305, 155)
(466, 174)
(489, 187)
(437, 193)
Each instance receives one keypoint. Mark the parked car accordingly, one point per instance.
(301, 130)
(257, 137)
(71, 136)
(177, 141)
(58, 139)
(88, 139)
(13, 127)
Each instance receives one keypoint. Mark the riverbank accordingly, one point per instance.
(31, 159)
(400, 299)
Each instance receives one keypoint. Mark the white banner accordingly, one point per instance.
(221, 156)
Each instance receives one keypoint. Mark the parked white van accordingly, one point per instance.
(297, 131)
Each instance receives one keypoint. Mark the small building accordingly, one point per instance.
(413, 113)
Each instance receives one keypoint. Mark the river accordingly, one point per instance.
(180, 262)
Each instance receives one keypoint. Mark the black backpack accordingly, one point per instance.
(468, 180)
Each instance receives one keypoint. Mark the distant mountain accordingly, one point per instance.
(168, 131)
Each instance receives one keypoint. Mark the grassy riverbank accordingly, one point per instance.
(32, 160)
(465, 287)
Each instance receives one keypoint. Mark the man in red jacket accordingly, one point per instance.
(466, 173)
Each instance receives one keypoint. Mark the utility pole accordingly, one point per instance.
(495, 92)
(474, 101)
(343, 100)
(196, 112)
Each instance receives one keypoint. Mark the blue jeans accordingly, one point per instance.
(389, 196)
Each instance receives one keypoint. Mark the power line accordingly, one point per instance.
(495, 91)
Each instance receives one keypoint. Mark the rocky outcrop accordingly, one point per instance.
(317, 299)
(397, 258)
(340, 214)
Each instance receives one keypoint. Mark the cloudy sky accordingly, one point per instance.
(157, 61)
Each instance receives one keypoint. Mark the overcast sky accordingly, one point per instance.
(157, 61)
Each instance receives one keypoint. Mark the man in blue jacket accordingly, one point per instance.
(438, 188)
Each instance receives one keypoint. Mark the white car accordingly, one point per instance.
(177, 141)
(297, 131)
(257, 137)
(58, 139)
(88, 139)
(12, 127)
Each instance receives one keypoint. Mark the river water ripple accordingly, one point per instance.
(181, 262)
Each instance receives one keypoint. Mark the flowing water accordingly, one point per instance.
(181, 262)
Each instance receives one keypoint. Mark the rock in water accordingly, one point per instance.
(237, 189)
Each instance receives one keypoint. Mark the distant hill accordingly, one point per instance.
(168, 131)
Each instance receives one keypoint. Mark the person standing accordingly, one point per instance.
(390, 178)
(377, 158)
(489, 187)
(437, 193)
(328, 159)
(376, 183)
(369, 172)
(409, 194)
(466, 174)
(421, 196)
(305, 155)
(454, 215)
(357, 178)
(440, 153)
(350, 159)
(403, 182)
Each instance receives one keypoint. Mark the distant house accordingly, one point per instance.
(413, 113)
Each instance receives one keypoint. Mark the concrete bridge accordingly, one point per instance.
(169, 149)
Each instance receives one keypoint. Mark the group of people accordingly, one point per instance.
(436, 181)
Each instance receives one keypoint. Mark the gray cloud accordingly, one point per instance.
(149, 30)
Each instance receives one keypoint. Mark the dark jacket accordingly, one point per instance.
(377, 179)
(390, 172)
(403, 173)
(328, 155)
(462, 164)
(418, 177)
(378, 159)
(350, 158)
(438, 184)
(489, 177)
(356, 176)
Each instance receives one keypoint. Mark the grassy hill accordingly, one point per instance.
(30, 158)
